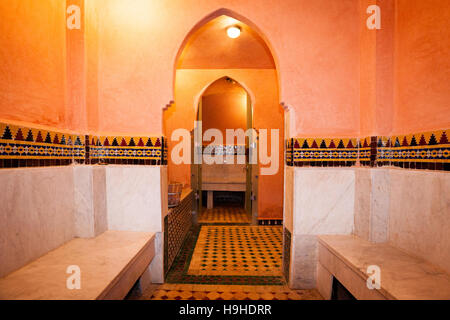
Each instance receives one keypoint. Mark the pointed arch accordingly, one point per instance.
(234, 15)
(206, 86)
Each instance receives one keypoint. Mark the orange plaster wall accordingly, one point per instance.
(319, 66)
(325, 76)
(267, 113)
(75, 73)
(125, 67)
(368, 62)
(33, 57)
(138, 42)
(131, 48)
(91, 66)
(224, 110)
(422, 66)
(377, 71)
(383, 118)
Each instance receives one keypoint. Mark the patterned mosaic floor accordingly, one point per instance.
(222, 214)
(222, 240)
(220, 261)
(225, 292)
(238, 251)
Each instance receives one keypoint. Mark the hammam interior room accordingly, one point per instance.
(225, 150)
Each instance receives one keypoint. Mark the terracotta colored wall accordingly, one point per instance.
(76, 73)
(383, 118)
(377, 70)
(131, 49)
(367, 95)
(91, 66)
(138, 43)
(32, 68)
(422, 66)
(267, 113)
(125, 65)
(224, 111)
(405, 68)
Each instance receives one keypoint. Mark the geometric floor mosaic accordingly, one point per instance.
(221, 214)
(227, 262)
(240, 275)
(225, 292)
(238, 251)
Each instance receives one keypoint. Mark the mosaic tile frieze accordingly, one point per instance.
(289, 151)
(164, 151)
(127, 150)
(176, 226)
(424, 150)
(22, 146)
(367, 151)
(323, 152)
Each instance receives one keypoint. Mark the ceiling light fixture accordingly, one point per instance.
(233, 32)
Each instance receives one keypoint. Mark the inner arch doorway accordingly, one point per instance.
(209, 55)
(225, 175)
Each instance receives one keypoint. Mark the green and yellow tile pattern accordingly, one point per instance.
(238, 251)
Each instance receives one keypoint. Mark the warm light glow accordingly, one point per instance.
(233, 32)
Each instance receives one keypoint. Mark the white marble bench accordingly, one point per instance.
(403, 276)
(110, 264)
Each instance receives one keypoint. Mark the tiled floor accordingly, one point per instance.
(179, 272)
(238, 250)
(224, 258)
(225, 292)
(224, 214)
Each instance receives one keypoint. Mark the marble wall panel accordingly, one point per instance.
(288, 198)
(133, 198)
(36, 215)
(324, 200)
(323, 203)
(419, 220)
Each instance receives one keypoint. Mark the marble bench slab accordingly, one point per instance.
(403, 276)
(110, 264)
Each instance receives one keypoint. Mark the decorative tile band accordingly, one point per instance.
(367, 148)
(22, 146)
(322, 152)
(127, 150)
(424, 150)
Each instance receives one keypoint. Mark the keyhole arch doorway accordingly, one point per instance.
(197, 68)
(225, 106)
